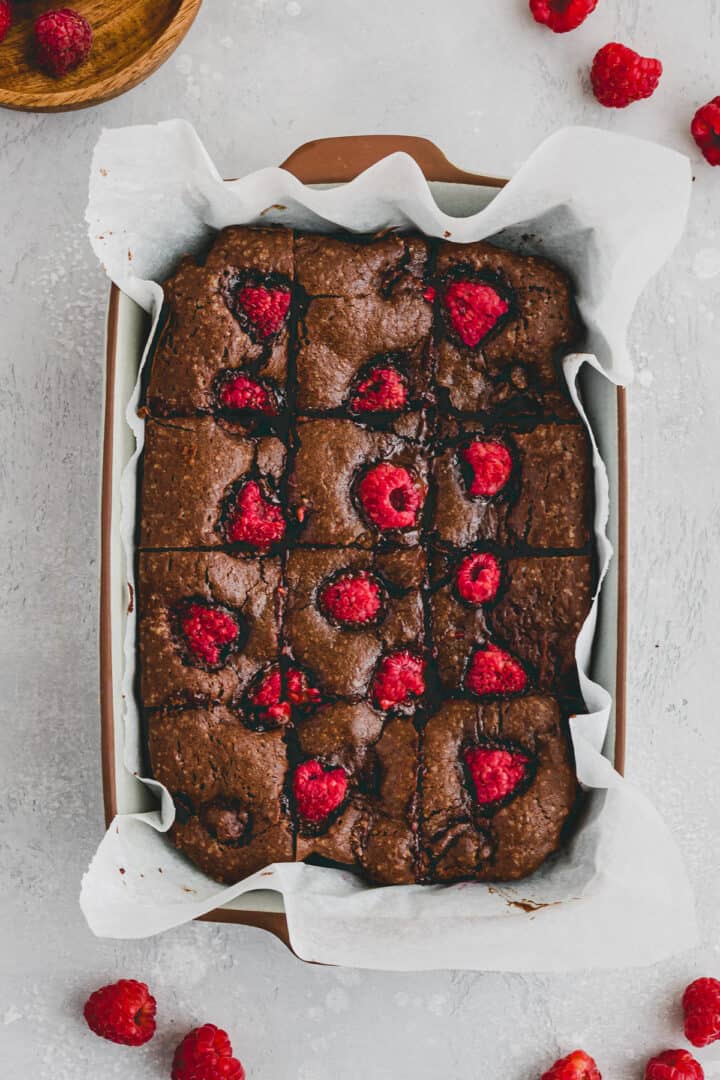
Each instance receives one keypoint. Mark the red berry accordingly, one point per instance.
(241, 392)
(317, 792)
(390, 496)
(206, 1054)
(383, 390)
(491, 465)
(5, 17)
(620, 76)
(398, 679)
(208, 631)
(705, 130)
(62, 40)
(352, 598)
(429, 294)
(701, 993)
(494, 671)
(267, 696)
(576, 1066)
(473, 309)
(701, 1004)
(298, 688)
(265, 308)
(123, 1012)
(253, 519)
(478, 577)
(495, 773)
(674, 1065)
(562, 15)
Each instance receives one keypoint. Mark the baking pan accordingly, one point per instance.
(327, 161)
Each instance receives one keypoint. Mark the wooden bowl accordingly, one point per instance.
(131, 38)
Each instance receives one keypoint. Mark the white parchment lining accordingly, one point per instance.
(610, 209)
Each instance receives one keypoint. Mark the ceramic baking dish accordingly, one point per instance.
(327, 162)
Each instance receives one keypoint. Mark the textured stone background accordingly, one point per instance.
(257, 79)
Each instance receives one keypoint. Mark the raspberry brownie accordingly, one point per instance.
(365, 556)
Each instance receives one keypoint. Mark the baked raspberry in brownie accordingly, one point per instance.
(498, 785)
(532, 607)
(228, 785)
(529, 489)
(504, 320)
(208, 622)
(206, 486)
(353, 486)
(225, 317)
(347, 609)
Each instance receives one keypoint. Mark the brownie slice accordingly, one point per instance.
(372, 824)
(193, 471)
(333, 496)
(228, 784)
(227, 315)
(498, 785)
(515, 365)
(208, 623)
(543, 478)
(534, 607)
(377, 600)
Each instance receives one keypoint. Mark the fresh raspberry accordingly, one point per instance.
(317, 792)
(701, 994)
(208, 632)
(352, 598)
(478, 577)
(298, 688)
(5, 17)
(491, 465)
(241, 392)
(494, 671)
(473, 309)
(265, 308)
(576, 1066)
(254, 519)
(62, 40)
(383, 390)
(398, 679)
(123, 1012)
(562, 15)
(390, 496)
(701, 1004)
(495, 773)
(206, 1054)
(705, 130)
(620, 76)
(674, 1065)
(267, 696)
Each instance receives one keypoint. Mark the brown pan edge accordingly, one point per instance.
(335, 160)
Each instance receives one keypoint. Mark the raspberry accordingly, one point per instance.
(576, 1066)
(473, 309)
(562, 15)
(268, 697)
(491, 465)
(265, 308)
(620, 76)
(701, 1004)
(674, 1065)
(241, 392)
(494, 671)
(123, 1012)
(352, 598)
(318, 792)
(705, 130)
(254, 519)
(701, 994)
(495, 773)
(206, 1054)
(298, 688)
(5, 18)
(398, 679)
(383, 390)
(62, 40)
(390, 496)
(208, 632)
(478, 577)
(430, 294)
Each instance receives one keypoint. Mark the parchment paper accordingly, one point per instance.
(610, 209)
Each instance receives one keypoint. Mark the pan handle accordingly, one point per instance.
(337, 160)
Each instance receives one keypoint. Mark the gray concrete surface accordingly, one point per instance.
(257, 79)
